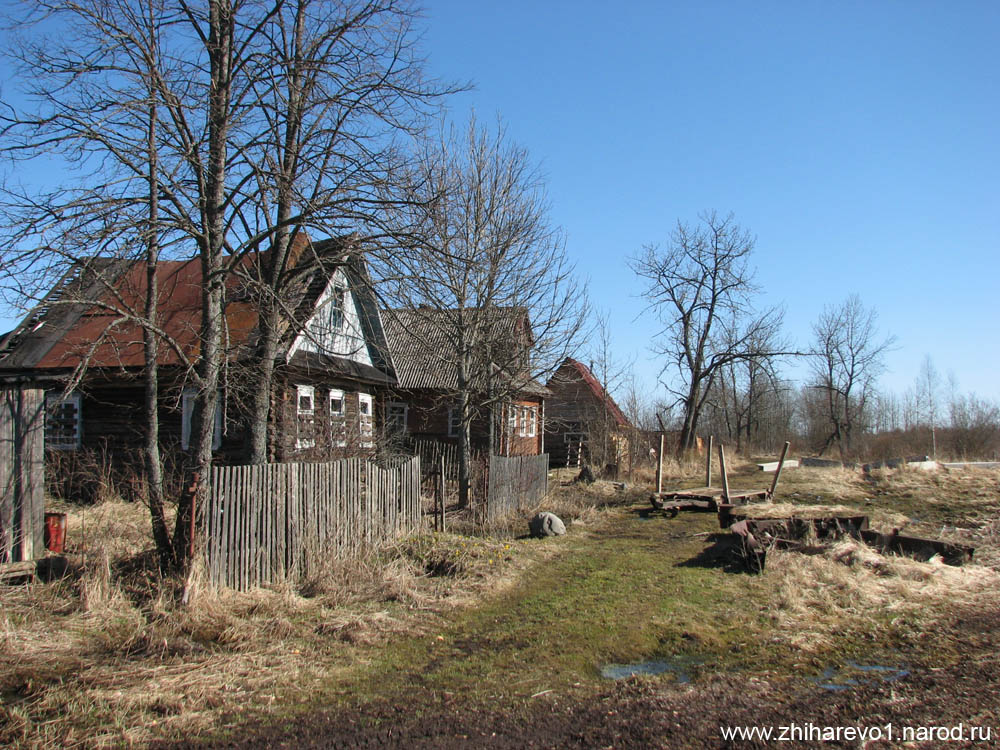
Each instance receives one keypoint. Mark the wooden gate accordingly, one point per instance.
(22, 473)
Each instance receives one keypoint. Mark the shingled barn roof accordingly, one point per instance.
(422, 343)
(573, 372)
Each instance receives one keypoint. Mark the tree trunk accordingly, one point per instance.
(153, 466)
(212, 246)
(690, 423)
(464, 447)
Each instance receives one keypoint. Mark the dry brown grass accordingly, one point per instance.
(851, 588)
(108, 657)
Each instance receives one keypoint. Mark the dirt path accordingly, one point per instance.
(521, 669)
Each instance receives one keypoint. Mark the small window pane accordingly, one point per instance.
(62, 421)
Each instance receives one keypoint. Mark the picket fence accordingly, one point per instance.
(269, 522)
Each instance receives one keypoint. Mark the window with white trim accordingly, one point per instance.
(62, 421)
(532, 412)
(366, 429)
(454, 420)
(188, 396)
(338, 419)
(395, 418)
(511, 420)
(305, 417)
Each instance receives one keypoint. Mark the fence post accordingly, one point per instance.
(659, 467)
(441, 489)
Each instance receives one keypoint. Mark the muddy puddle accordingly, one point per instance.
(681, 667)
(852, 674)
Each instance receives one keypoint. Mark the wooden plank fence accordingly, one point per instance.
(431, 452)
(22, 473)
(268, 522)
(515, 483)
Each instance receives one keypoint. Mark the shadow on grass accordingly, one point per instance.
(722, 553)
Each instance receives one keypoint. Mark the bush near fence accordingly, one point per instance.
(269, 522)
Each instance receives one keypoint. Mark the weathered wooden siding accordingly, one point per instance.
(327, 446)
(516, 483)
(22, 473)
(267, 522)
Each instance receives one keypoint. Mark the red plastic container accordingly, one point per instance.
(55, 532)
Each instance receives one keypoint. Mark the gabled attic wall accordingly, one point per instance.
(350, 342)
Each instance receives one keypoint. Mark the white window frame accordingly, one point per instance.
(522, 421)
(512, 419)
(188, 396)
(390, 421)
(366, 425)
(338, 418)
(305, 416)
(532, 421)
(52, 402)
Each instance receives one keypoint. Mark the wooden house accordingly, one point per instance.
(508, 405)
(584, 424)
(329, 376)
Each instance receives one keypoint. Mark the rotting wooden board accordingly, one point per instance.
(706, 499)
(712, 493)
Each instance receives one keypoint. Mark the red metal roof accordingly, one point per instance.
(109, 339)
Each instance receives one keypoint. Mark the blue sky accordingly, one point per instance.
(857, 140)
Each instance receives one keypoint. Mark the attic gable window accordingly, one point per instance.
(329, 319)
(188, 395)
(335, 309)
(62, 422)
(305, 417)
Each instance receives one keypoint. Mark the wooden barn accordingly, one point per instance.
(584, 424)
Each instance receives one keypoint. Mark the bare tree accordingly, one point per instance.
(748, 402)
(606, 435)
(475, 242)
(975, 427)
(848, 356)
(219, 130)
(701, 288)
(928, 390)
(335, 85)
